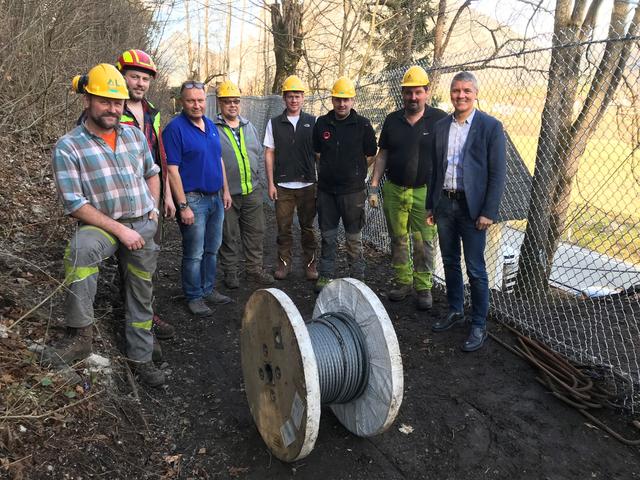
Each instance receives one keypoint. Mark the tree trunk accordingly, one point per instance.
(206, 39)
(190, 57)
(286, 25)
(562, 140)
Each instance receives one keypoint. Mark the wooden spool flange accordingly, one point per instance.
(281, 373)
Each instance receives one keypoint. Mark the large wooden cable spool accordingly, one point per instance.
(346, 357)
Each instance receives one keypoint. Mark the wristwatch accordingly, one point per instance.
(183, 205)
(156, 211)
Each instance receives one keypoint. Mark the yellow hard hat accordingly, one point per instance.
(228, 89)
(103, 80)
(415, 77)
(343, 88)
(293, 84)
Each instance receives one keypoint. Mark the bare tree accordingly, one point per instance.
(562, 139)
(286, 27)
(60, 40)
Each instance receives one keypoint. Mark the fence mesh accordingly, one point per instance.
(587, 305)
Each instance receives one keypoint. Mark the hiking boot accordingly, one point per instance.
(283, 270)
(162, 330)
(199, 308)
(76, 345)
(400, 292)
(321, 283)
(231, 280)
(260, 276)
(425, 300)
(311, 271)
(148, 373)
(217, 298)
(156, 355)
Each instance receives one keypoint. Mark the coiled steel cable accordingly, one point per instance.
(341, 354)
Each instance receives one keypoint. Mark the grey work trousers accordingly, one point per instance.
(88, 247)
(243, 226)
(331, 209)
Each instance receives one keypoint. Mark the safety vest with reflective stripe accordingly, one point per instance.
(242, 157)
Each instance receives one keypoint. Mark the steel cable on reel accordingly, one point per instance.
(346, 357)
(341, 354)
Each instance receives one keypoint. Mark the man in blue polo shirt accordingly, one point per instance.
(199, 186)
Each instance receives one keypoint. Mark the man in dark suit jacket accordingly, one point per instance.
(466, 186)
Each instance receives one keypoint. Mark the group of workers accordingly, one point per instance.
(119, 174)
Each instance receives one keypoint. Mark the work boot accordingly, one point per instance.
(400, 292)
(231, 280)
(283, 270)
(161, 329)
(156, 355)
(311, 271)
(217, 298)
(199, 308)
(425, 300)
(260, 276)
(76, 345)
(321, 283)
(148, 373)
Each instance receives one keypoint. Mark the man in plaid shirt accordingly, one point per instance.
(107, 179)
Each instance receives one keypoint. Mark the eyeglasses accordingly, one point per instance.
(230, 101)
(190, 84)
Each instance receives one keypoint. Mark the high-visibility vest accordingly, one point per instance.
(244, 165)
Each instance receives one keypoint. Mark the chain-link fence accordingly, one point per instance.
(583, 300)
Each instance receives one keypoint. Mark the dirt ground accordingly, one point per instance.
(473, 415)
(478, 415)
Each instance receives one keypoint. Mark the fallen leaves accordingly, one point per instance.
(406, 429)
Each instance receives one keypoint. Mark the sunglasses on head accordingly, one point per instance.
(189, 85)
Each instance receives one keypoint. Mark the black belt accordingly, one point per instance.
(454, 194)
(130, 220)
(203, 194)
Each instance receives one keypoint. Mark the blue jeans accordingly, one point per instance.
(455, 224)
(200, 244)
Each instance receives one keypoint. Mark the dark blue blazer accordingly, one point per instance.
(484, 165)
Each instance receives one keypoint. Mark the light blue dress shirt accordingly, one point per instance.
(458, 133)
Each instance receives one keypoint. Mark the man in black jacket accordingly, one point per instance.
(345, 145)
(404, 159)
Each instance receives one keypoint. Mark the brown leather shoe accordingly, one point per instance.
(162, 329)
(282, 271)
(260, 276)
(425, 300)
(400, 292)
(148, 373)
(76, 345)
(311, 270)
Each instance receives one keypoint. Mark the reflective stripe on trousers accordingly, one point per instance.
(88, 247)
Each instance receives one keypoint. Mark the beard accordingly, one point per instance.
(412, 107)
(106, 120)
(135, 95)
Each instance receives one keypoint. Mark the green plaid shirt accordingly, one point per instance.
(87, 170)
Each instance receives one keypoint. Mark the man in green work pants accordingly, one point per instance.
(403, 159)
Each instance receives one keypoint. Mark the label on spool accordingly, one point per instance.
(297, 410)
(288, 433)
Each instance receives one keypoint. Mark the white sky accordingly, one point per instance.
(517, 15)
